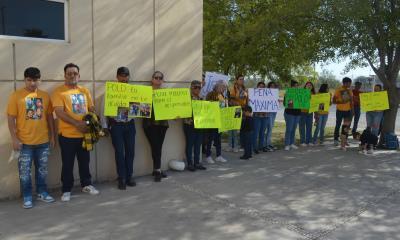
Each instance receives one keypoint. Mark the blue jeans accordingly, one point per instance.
(123, 140)
(357, 114)
(39, 155)
(270, 125)
(291, 124)
(260, 124)
(234, 138)
(194, 138)
(374, 121)
(247, 141)
(305, 127)
(320, 128)
(213, 136)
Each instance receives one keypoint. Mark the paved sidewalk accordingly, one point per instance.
(310, 193)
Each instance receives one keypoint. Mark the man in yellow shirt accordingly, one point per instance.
(71, 102)
(31, 126)
(343, 99)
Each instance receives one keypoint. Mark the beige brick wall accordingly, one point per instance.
(143, 35)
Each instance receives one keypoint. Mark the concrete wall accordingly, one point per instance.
(144, 35)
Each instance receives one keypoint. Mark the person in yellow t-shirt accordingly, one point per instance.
(343, 99)
(31, 126)
(238, 96)
(71, 102)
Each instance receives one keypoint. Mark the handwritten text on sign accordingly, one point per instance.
(374, 101)
(172, 103)
(297, 98)
(320, 102)
(121, 95)
(210, 80)
(231, 119)
(264, 99)
(206, 114)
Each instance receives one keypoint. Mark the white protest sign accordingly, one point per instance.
(210, 80)
(264, 99)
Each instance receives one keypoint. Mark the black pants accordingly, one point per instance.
(247, 141)
(155, 135)
(71, 147)
(123, 140)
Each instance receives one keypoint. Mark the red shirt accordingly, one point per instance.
(356, 97)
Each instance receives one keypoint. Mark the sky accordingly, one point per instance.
(337, 69)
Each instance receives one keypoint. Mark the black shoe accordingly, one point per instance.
(244, 157)
(130, 182)
(157, 176)
(121, 184)
(163, 174)
(200, 167)
(256, 152)
(191, 168)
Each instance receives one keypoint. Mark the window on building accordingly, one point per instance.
(34, 19)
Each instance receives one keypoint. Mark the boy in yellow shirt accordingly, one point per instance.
(343, 99)
(31, 126)
(71, 102)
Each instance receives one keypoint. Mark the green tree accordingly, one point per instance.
(368, 32)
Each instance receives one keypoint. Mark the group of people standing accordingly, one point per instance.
(32, 128)
(347, 101)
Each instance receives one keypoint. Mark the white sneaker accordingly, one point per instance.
(241, 149)
(294, 146)
(66, 197)
(235, 150)
(287, 148)
(90, 189)
(303, 145)
(220, 159)
(209, 160)
(370, 151)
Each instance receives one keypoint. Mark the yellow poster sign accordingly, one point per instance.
(172, 103)
(320, 102)
(206, 114)
(231, 119)
(126, 99)
(374, 101)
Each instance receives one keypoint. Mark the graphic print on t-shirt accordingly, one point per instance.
(78, 103)
(345, 95)
(34, 108)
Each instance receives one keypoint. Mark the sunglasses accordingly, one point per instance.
(158, 78)
(196, 87)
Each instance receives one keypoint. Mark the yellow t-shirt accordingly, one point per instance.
(31, 110)
(344, 94)
(240, 96)
(76, 102)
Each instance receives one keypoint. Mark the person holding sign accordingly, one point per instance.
(259, 122)
(237, 97)
(217, 94)
(270, 123)
(71, 102)
(306, 120)
(343, 99)
(155, 131)
(321, 117)
(193, 136)
(123, 131)
(374, 118)
(292, 117)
